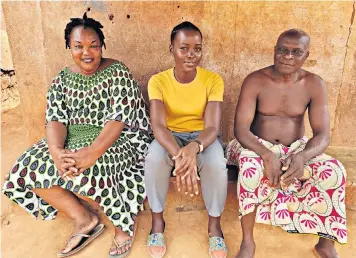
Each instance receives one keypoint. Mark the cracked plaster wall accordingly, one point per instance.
(238, 39)
(345, 120)
(9, 91)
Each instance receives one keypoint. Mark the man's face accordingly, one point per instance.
(290, 54)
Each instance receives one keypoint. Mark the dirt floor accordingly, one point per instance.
(186, 230)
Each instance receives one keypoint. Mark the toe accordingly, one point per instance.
(218, 254)
(71, 244)
(156, 250)
(113, 251)
(122, 250)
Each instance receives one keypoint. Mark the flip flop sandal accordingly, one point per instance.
(127, 242)
(86, 239)
(119, 246)
(217, 244)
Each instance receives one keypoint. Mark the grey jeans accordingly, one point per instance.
(211, 167)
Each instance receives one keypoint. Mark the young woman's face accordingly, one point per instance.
(86, 49)
(187, 50)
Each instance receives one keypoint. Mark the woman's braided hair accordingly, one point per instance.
(87, 23)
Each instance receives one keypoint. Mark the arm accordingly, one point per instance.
(320, 123)
(212, 118)
(110, 133)
(56, 124)
(87, 156)
(187, 166)
(245, 113)
(159, 126)
(168, 142)
(56, 134)
(212, 112)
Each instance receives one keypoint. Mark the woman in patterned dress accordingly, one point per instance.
(97, 131)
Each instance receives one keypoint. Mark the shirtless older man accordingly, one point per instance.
(285, 179)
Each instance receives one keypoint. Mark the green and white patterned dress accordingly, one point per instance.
(83, 104)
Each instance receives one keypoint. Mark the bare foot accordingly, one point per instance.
(83, 225)
(247, 250)
(120, 237)
(325, 251)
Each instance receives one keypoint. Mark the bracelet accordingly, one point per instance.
(200, 145)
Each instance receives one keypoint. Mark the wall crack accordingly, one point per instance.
(338, 101)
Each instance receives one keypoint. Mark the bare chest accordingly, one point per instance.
(282, 101)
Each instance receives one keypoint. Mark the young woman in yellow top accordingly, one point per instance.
(185, 114)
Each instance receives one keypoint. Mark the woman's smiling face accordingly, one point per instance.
(187, 50)
(86, 49)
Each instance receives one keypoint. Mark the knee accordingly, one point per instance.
(156, 158)
(331, 173)
(215, 168)
(213, 162)
(153, 162)
(249, 161)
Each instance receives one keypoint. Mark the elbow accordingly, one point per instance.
(157, 130)
(327, 139)
(324, 137)
(213, 131)
(237, 133)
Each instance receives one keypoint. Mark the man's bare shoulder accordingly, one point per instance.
(310, 76)
(312, 80)
(258, 77)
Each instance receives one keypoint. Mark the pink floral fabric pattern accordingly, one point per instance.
(314, 205)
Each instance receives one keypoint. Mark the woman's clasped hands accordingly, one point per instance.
(186, 170)
(72, 163)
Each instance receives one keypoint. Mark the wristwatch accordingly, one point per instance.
(201, 147)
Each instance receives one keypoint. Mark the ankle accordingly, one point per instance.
(86, 218)
(215, 231)
(248, 241)
(121, 235)
(158, 225)
(119, 231)
(325, 243)
(214, 226)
